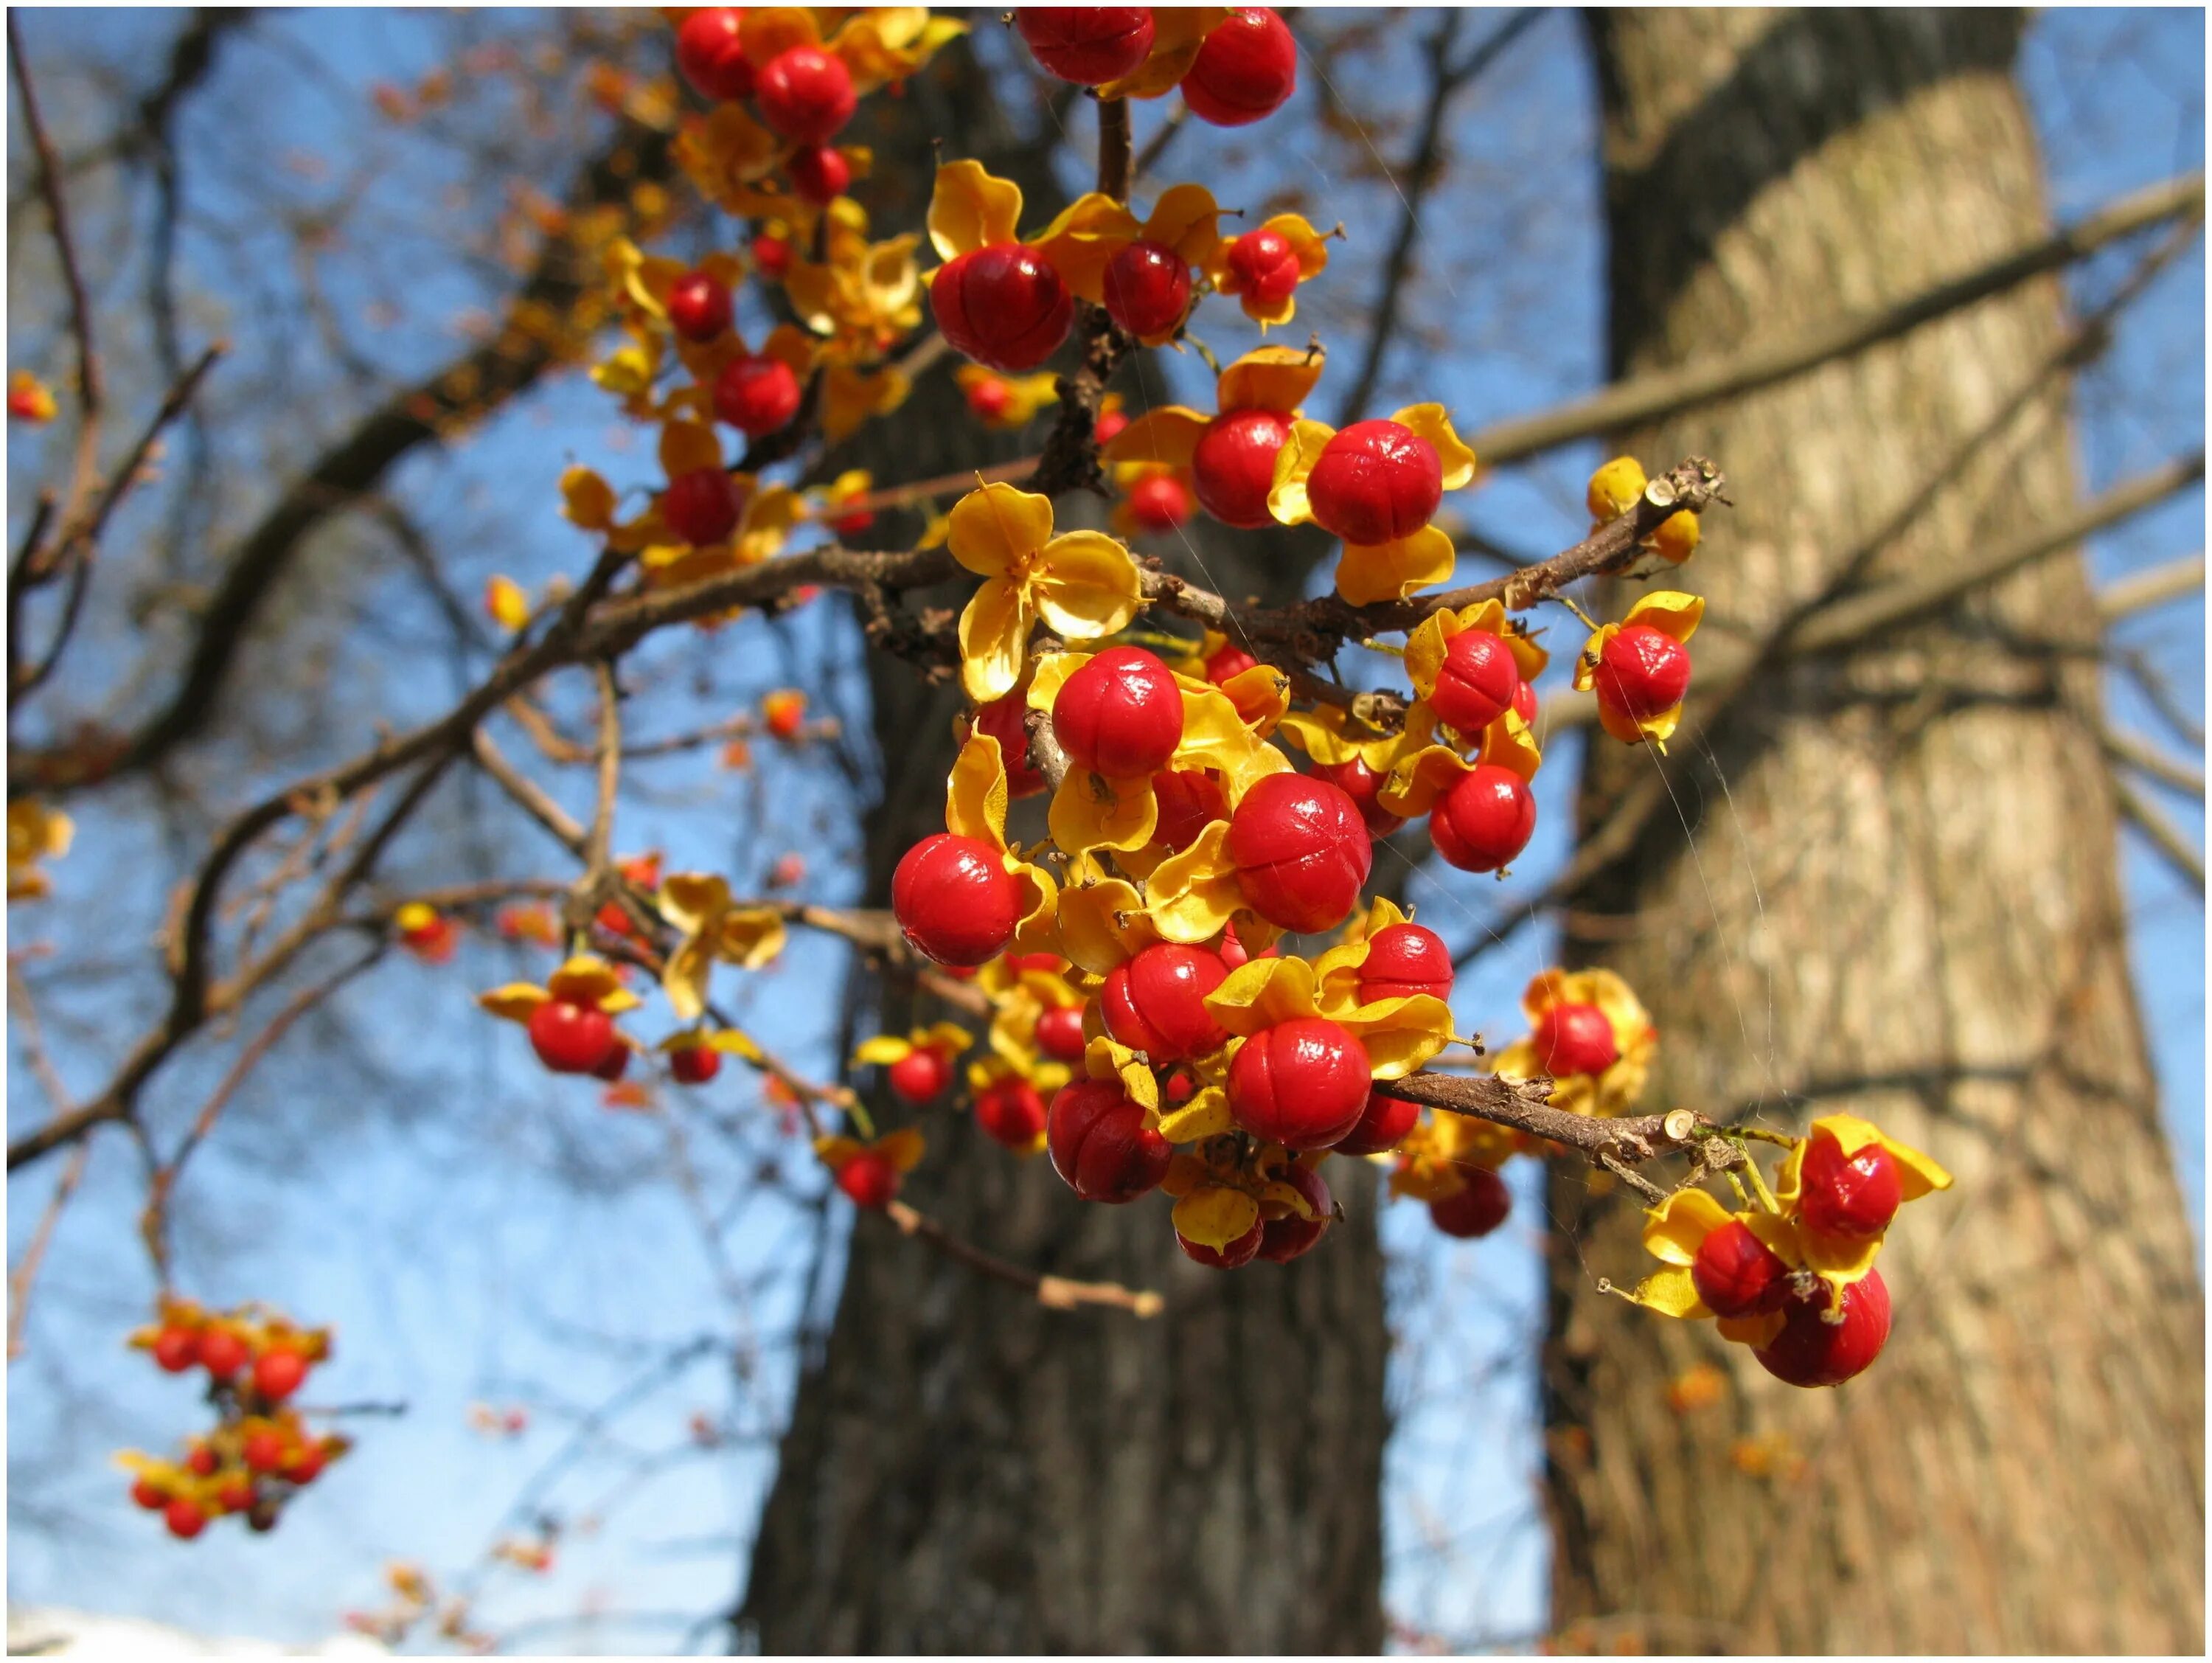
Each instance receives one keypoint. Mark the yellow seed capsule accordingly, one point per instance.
(1614, 488)
(1676, 539)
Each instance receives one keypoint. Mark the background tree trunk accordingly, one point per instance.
(1901, 900)
(967, 1472)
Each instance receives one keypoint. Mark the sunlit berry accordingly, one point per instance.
(221, 1353)
(757, 395)
(1737, 1274)
(820, 173)
(1240, 1251)
(1302, 1083)
(1089, 46)
(185, 1520)
(1475, 1209)
(1159, 502)
(699, 306)
(1851, 1196)
(1236, 955)
(1383, 1124)
(1375, 482)
(1575, 1038)
(235, 1496)
(1484, 820)
(1301, 850)
(1811, 1351)
(1403, 960)
(702, 507)
(1233, 467)
(804, 93)
(570, 1037)
(1147, 288)
(1289, 1236)
(1643, 672)
(1265, 265)
(1524, 703)
(710, 54)
(1188, 802)
(1229, 661)
(1156, 1003)
(919, 1075)
(772, 254)
(1059, 1033)
(277, 1373)
(693, 1065)
(1109, 422)
(869, 1179)
(1248, 66)
(1477, 682)
(202, 1460)
(1363, 785)
(1006, 721)
(955, 901)
(306, 1466)
(1003, 305)
(987, 396)
(1099, 1144)
(1120, 715)
(264, 1451)
(176, 1349)
(783, 712)
(1011, 1113)
(149, 1496)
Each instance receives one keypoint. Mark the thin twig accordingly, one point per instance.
(22, 1279)
(1057, 1292)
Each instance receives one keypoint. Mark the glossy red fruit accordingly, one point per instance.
(176, 1349)
(1232, 467)
(1188, 803)
(1156, 1004)
(1302, 851)
(772, 254)
(1479, 681)
(1060, 1034)
(1574, 1038)
(1737, 1274)
(1096, 1137)
(1159, 502)
(1362, 785)
(1240, 1251)
(757, 395)
(1484, 820)
(1302, 1083)
(1011, 1113)
(1006, 721)
(1524, 703)
(1810, 1351)
(805, 94)
(1003, 305)
(148, 1495)
(1246, 68)
(869, 1179)
(1087, 45)
(264, 1451)
(613, 1065)
(185, 1520)
(1852, 1197)
(699, 306)
(1383, 1124)
(1229, 661)
(710, 54)
(1375, 482)
(702, 507)
(202, 1460)
(236, 1495)
(571, 1039)
(1147, 288)
(955, 901)
(1120, 715)
(919, 1075)
(1109, 424)
(1477, 1208)
(1643, 672)
(1265, 265)
(221, 1353)
(1403, 960)
(693, 1065)
(988, 397)
(1289, 1236)
(277, 1373)
(820, 173)
(1235, 954)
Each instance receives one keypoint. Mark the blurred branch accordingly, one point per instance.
(26, 1273)
(2147, 818)
(2140, 591)
(2139, 753)
(1057, 1292)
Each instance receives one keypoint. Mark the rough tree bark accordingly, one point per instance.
(967, 1472)
(1901, 901)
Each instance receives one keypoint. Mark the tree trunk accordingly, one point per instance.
(967, 1472)
(1899, 899)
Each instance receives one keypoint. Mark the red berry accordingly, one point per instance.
(869, 1179)
(1737, 1274)
(1005, 721)
(571, 1039)
(1159, 503)
(1156, 1004)
(1643, 672)
(1087, 45)
(1362, 785)
(148, 1495)
(853, 523)
(1302, 851)
(988, 397)
(202, 1460)
(1484, 820)
(1240, 1251)
(1246, 68)
(1382, 1125)
(1011, 1113)
(805, 94)
(1289, 1236)
(700, 506)
(236, 1495)
(1853, 1196)
(1188, 803)
(693, 1065)
(772, 254)
(614, 1065)
(699, 306)
(1229, 661)
(1108, 425)
(1004, 306)
(1575, 1040)
(1120, 715)
(1099, 1144)
(1375, 482)
(1147, 288)
(277, 1373)
(308, 1465)
(757, 395)
(1479, 681)
(1265, 265)
(1811, 1351)
(1302, 1083)
(264, 1451)
(1524, 703)
(1235, 954)
(176, 1349)
(1059, 1033)
(185, 1518)
(711, 55)
(820, 173)
(955, 901)
(1233, 465)
(919, 1075)
(1475, 1209)
(221, 1353)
